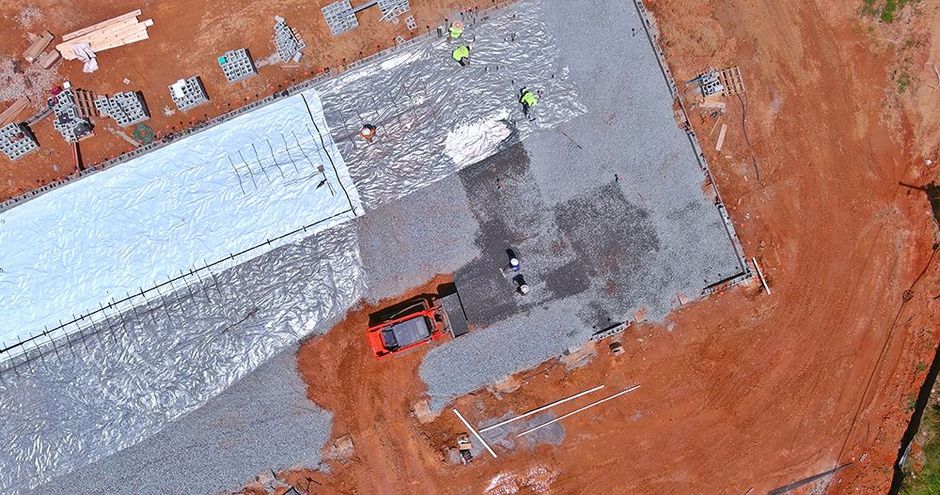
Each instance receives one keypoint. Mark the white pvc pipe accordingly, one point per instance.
(465, 423)
(540, 409)
(576, 411)
(761, 275)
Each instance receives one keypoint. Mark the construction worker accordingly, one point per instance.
(462, 55)
(456, 30)
(528, 100)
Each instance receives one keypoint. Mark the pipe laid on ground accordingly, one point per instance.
(576, 411)
(465, 423)
(761, 275)
(540, 409)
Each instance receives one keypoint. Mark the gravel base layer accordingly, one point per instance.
(263, 422)
(428, 232)
(606, 213)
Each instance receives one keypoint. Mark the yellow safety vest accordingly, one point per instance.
(461, 52)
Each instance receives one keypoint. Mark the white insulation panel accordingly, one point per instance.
(224, 190)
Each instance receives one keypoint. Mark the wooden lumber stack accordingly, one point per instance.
(48, 59)
(105, 35)
(11, 113)
(38, 46)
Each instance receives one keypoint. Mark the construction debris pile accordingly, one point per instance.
(715, 85)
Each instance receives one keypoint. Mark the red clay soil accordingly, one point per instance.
(747, 392)
(186, 39)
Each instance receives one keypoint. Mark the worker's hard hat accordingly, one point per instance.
(457, 24)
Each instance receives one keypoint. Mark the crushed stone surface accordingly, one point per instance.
(262, 422)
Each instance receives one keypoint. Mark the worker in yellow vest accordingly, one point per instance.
(528, 100)
(456, 30)
(462, 55)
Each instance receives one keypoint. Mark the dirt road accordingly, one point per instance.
(747, 392)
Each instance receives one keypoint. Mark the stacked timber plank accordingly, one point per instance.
(11, 113)
(36, 48)
(48, 59)
(119, 31)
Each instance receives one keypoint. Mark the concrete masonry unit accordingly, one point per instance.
(237, 65)
(126, 108)
(16, 140)
(188, 93)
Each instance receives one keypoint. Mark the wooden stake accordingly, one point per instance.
(576, 411)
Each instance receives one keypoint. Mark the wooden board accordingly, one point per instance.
(38, 46)
(114, 27)
(106, 40)
(102, 37)
(125, 41)
(48, 59)
(11, 113)
(721, 137)
(95, 27)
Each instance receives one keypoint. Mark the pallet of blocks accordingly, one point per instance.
(112, 33)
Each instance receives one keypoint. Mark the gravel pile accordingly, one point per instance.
(18, 78)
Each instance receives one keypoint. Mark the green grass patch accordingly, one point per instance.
(886, 10)
(927, 481)
(904, 82)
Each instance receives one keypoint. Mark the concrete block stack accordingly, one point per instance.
(127, 108)
(237, 65)
(340, 16)
(188, 93)
(393, 8)
(16, 140)
(72, 110)
(289, 45)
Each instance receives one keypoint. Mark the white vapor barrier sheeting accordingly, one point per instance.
(198, 200)
(125, 382)
(130, 371)
(435, 117)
